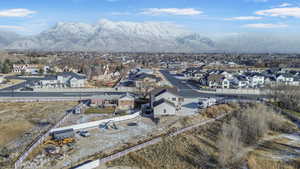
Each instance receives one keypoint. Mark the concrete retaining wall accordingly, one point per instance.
(240, 91)
(97, 123)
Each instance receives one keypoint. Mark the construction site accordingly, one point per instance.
(66, 148)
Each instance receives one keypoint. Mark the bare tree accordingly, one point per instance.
(229, 144)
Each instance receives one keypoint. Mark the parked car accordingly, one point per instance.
(85, 133)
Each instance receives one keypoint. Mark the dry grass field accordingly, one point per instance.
(281, 153)
(193, 150)
(11, 83)
(18, 118)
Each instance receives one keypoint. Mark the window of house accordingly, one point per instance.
(173, 99)
(165, 111)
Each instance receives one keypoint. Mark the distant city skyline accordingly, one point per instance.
(205, 16)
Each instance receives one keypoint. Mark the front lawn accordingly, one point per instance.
(99, 111)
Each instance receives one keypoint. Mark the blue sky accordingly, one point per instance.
(205, 16)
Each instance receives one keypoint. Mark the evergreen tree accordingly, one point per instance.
(5, 68)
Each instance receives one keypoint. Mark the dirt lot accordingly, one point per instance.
(20, 123)
(103, 141)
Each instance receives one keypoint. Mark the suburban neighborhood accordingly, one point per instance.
(120, 101)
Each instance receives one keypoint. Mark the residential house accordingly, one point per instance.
(126, 102)
(63, 80)
(170, 95)
(256, 80)
(145, 79)
(164, 107)
(242, 81)
(105, 99)
(285, 79)
(218, 81)
(26, 68)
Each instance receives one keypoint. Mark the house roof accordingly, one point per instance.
(127, 96)
(159, 91)
(215, 78)
(72, 74)
(50, 77)
(287, 75)
(162, 101)
(241, 78)
(142, 76)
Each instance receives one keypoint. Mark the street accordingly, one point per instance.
(186, 91)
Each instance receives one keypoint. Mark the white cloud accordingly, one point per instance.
(280, 12)
(244, 18)
(20, 12)
(8, 27)
(285, 5)
(265, 25)
(171, 11)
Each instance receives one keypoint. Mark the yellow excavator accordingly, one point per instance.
(60, 142)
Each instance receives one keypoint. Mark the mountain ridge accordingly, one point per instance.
(115, 36)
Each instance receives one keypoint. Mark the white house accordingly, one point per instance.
(169, 95)
(77, 83)
(164, 107)
(227, 75)
(27, 68)
(63, 80)
(218, 81)
(256, 80)
(285, 79)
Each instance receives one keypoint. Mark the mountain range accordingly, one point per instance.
(112, 36)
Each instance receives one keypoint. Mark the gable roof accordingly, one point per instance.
(142, 76)
(72, 74)
(162, 101)
(127, 96)
(157, 92)
(216, 78)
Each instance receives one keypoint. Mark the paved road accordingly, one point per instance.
(186, 91)
(56, 94)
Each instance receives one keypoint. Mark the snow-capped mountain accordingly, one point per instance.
(146, 37)
(116, 36)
